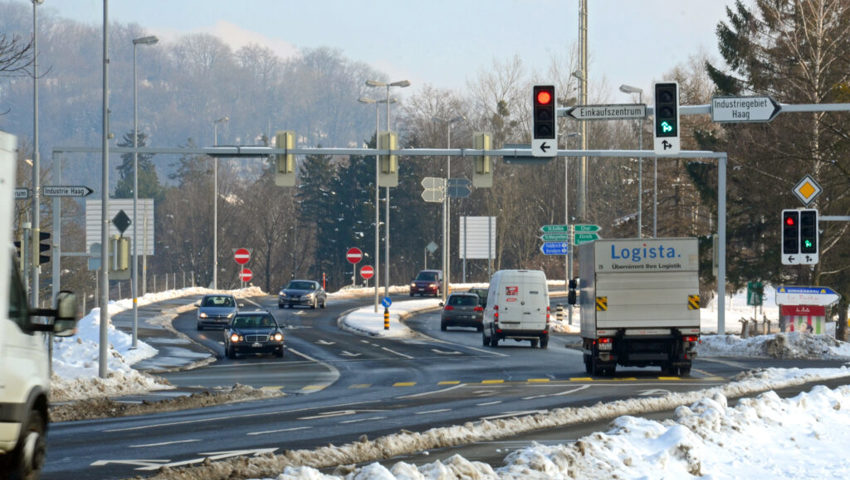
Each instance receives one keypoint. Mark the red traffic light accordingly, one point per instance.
(544, 97)
(790, 220)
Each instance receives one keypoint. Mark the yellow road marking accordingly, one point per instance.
(404, 384)
(449, 382)
(361, 385)
(492, 381)
(538, 380)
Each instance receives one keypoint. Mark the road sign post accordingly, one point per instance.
(555, 248)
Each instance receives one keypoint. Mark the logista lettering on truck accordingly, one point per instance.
(640, 253)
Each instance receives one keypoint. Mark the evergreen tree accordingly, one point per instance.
(149, 185)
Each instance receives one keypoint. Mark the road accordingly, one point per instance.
(341, 386)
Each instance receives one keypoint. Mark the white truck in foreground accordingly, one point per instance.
(639, 303)
(24, 369)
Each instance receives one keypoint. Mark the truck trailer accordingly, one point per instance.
(639, 301)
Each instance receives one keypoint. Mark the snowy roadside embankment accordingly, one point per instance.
(76, 359)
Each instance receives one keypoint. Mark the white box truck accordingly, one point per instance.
(639, 303)
(517, 308)
(24, 369)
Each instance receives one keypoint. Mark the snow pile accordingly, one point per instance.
(780, 345)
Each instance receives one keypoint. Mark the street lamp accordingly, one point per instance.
(447, 228)
(215, 201)
(402, 84)
(377, 197)
(36, 186)
(150, 40)
(630, 89)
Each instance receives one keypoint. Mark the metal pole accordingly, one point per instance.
(377, 212)
(721, 243)
(655, 199)
(582, 180)
(36, 187)
(104, 205)
(215, 209)
(134, 284)
(387, 217)
(640, 173)
(447, 274)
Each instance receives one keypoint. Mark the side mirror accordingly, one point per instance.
(441, 304)
(198, 304)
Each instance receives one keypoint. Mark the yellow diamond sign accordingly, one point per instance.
(807, 189)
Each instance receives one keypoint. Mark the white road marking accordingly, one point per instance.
(514, 414)
(338, 413)
(567, 392)
(358, 420)
(488, 403)
(442, 352)
(346, 353)
(164, 443)
(279, 430)
(423, 394)
(441, 410)
(397, 353)
(325, 342)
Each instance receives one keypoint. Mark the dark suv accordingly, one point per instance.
(428, 282)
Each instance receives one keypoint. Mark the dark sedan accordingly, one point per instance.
(462, 310)
(302, 292)
(253, 332)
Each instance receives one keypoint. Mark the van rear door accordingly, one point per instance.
(523, 303)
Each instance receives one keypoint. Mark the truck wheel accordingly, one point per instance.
(28, 456)
(534, 344)
(685, 371)
(544, 341)
(587, 365)
(484, 340)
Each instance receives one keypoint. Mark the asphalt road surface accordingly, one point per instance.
(340, 386)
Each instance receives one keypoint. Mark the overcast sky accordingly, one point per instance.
(441, 42)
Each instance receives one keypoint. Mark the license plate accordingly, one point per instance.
(256, 344)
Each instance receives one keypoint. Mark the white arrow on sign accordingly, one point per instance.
(744, 109)
(544, 148)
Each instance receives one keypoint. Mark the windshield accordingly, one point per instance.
(254, 321)
(218, 301)
(300, 285)
(427, 276)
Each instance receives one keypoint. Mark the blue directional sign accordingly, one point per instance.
(386, 302)
(555, 248)
(808, 290)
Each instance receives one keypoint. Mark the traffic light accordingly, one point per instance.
(482, 176)
(545, 123)
(43, 246)
(666, 129)
(809, 231)
(544, 129)
(285, 174)
(790, 232)
(388, 174)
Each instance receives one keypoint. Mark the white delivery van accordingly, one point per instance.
(24, 369)
(517, 308)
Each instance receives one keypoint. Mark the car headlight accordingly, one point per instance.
(231, 314)
(413, 285)
(234, 337)
(309, 295)
(278, 337)
(433, 285)
(282, 294)
(202, 315)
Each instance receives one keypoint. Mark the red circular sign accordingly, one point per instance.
(246, 275)
(354, 255)
(367, 272)
(242, 255)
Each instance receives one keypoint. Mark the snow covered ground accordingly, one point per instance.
(761, 437)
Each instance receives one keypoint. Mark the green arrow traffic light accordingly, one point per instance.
(666, 127)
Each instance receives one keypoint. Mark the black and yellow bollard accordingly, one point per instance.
(386, 318)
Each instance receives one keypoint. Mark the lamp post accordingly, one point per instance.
(150, 40)
(377, 198)
(402, 84)
(215, 201)
(630, 89)
(36, 179)
(447, 227)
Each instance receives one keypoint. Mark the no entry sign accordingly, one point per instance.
(354, 255)
(246, 275)
(242, 256)
(367, 272)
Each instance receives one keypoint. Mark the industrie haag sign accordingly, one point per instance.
(744, 109)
